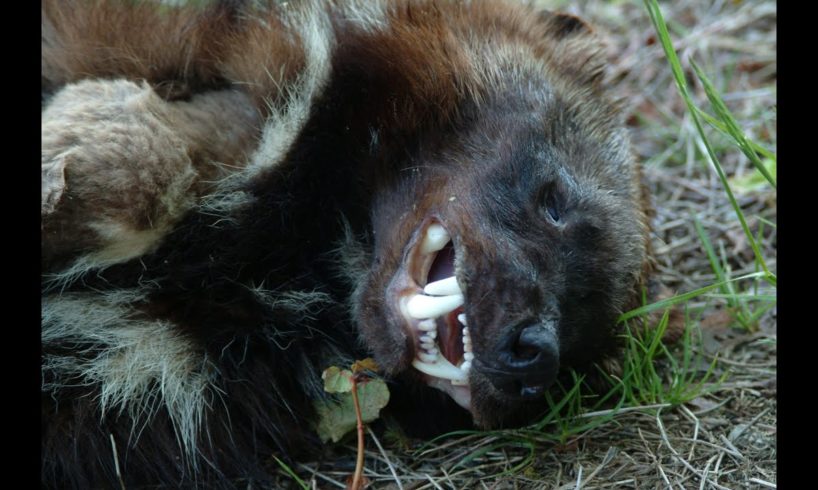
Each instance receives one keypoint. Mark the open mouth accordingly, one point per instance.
(431, 302)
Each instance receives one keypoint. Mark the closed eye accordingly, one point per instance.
(552, 203)
(552, 208)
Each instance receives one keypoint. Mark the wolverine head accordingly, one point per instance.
(509, 239)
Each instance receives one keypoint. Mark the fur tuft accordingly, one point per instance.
(137, 365)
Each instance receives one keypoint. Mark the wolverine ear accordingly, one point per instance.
(575, 43)
(562, 25)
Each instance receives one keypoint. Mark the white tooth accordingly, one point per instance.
(428, 338)
(427, 345)
(443, 287)
(435, 239)
(441, 368)
(465, 329)
(466, 366)
(420, 306)
(432, 350)
(467, 343)
(468, 356)
(462, 319)
(426, 358)
(428, 326)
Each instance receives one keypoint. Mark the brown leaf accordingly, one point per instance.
(367, 364)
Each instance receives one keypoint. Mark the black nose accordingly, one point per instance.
(528, 362)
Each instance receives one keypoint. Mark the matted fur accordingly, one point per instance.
(229, 189)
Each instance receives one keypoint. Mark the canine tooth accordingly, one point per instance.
(426, 358)
(441, 368)
(443, 287)
(435, 238)
(468, 356)
(420, 306)
(462, 319)
(428, 326)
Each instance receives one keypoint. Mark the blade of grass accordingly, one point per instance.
(730, 124)
(738, 306)
(292, 474)
(554, 412)
(681, 298)
(681, 84)
(721, 127)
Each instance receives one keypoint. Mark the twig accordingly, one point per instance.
(433, 482)
(322, 476)
(623, 410)
(703, 480)
(357, 477)
(733, 450)
(695, 419)
(609, 456)
(386, 458)
(751, 422)
(763, 483)
(578, 486)
(687, 465)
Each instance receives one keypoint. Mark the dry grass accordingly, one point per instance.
(727, 438)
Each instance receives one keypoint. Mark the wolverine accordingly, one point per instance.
(238, 195)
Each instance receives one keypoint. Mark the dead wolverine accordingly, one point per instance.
(237, 197)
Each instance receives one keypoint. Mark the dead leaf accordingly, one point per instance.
(367, 364)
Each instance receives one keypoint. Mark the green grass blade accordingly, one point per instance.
(681, 85)
(730, 123)
(681, 298)
(291, 474)
(711, 255)
(722, 128)
(554, 412)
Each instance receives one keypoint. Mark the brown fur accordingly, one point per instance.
(171, 47)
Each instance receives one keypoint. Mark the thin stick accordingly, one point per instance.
(386, 458)
(357, 478)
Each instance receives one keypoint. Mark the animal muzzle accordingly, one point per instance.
(526, 361)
